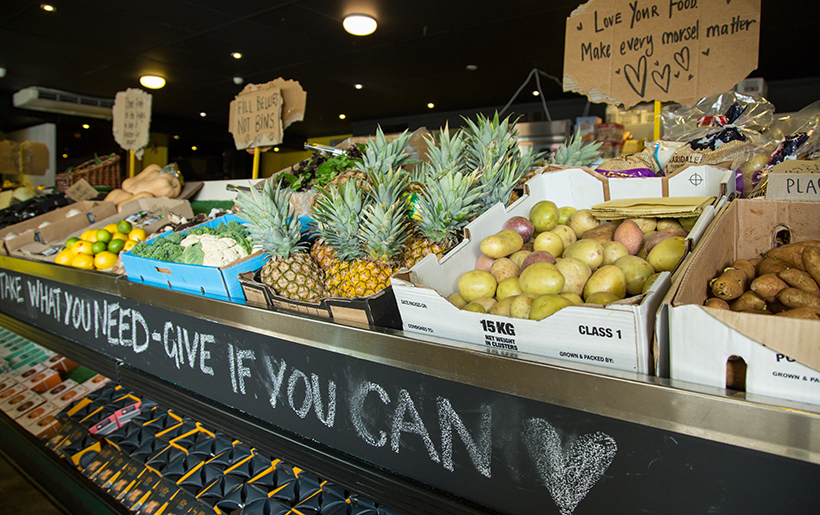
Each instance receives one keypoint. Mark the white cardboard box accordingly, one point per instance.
(618, 336)
(782, 355)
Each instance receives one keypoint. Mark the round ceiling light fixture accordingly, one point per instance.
(152, 81)
(236, 55)
(359, 24)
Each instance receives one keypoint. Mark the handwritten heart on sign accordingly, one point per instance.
(569, 471)
(636, 77)
(662, 78)
(682, 58)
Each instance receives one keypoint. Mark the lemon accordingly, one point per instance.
(64, 257)
(103, 235)
(116, 245)
(82, 247)
(119, 236)
(111, 228)
(137, 234)
(84, 261)
(105, 259)
(129, 244)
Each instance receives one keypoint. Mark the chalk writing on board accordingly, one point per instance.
(569, 470)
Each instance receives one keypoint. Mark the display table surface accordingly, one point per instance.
(418, 425)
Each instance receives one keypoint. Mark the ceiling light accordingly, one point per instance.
(2, 72)
(238, 80)
(86, 126)
(47, 7)
(359, 24)
(535, 93)
(194, 148)
(236, 55)
(152, 81)
(65, 156)
(176, 136)
(276, 149)
(472, 67)
(358, 86)
(431, 105)
(203, 114)
(342, 117)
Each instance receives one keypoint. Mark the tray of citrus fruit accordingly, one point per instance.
(99, 249)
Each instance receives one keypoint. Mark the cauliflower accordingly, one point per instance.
(217, 251)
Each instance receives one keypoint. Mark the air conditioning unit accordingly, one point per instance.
(62, 102)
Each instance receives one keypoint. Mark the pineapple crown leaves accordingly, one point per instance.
(269, 220)
(337, 212)
(576, 153)
(388, 187)
(383, 231)
(446, 154)
(446, 205)
(380, 156)
(499, 180)
(489, 140)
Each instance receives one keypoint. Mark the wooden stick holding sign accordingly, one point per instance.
(132, 122)
(260, 113)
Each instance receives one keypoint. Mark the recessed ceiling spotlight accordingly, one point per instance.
(152, 81)
(359, 24)
(2, 72)
(276, 149)
(431, 105)
(65, 156)
(535, 93)
(176, 136)
(86, 126)
(238, 80)
(236, 55)
(358, 86)
(194, 148)
(203, 114)
(47, 7)
(472, 67)
(342, 116)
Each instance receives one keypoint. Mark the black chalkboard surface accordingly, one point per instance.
(507, 453)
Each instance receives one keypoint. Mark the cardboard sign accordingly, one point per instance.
(81, 190)
(132, 118)
(794, 180)
(260, 112)
(630, 51)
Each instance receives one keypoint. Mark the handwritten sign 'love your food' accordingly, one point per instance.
(629, 51)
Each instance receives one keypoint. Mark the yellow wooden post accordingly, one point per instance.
(255, 163)
(657, 118)
(131, 163)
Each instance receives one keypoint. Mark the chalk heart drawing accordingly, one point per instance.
(636, 77)
(569, 473)
(682, 58)
(662, 78)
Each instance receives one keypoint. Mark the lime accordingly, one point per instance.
(116, 245)
(103, 236)
(124, 226)
(98, 246)
(71, 241)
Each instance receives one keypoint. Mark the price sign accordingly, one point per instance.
(631, 51)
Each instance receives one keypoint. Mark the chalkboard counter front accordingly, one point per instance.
(424, 427)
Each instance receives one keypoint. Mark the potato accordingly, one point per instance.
(657, 237)
(646, 225)
(613, 251)
(771, 266)
(668, 223)
(502, 307)
(544, 215)
(475, 307)
(501, 244)
(546, 305)
(747, 267)
(736, 373)
(541, 278)
(520, 305)
(797, 298)
(508, 288)
(636, 271)
(602, 297)
(484, 263)
(575, 273)
(457, 300)
(799, 279)
(791, 253)
(504, 268)
(768, 286)
(648, 284)
(714, 302)
(755, 261)
(566, 233)
(603, 233)
(537, 256)
(804, 312)
(665, 255)
(573, 297)
(549, 241)
(581, 221)
(608, 278)
(518, 257)
(729, 285)
(475, 284)
(810, 259)
(589, 251)
(749, 300)
(564, 212)
(488, 303)
(630, 236)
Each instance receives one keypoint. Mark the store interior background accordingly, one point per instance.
(464, 58)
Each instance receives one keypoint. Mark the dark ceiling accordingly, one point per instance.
(419, 53)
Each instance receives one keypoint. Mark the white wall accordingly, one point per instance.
(44, 133)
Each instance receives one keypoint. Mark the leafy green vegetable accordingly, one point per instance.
(167, 248)
(193, 254)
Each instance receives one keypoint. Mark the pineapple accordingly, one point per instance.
(291, 272)
(573, 153)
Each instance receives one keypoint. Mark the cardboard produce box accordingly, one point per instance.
(618, 336)
(59, 223)
(375, 310)
(782, 355)
(210, 281)
(147, 213)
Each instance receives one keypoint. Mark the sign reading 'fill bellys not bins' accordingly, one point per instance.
(629, 51)
(260, 112)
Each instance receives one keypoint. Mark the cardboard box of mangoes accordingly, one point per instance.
(762, 353)
(147, 213)
(616, 334)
